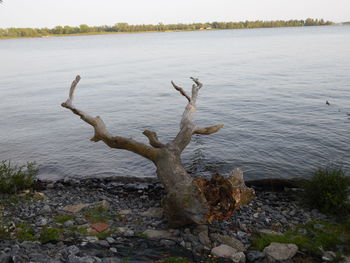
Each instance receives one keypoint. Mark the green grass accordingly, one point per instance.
(327, 190)
(25, 233)
(63, 218)
(318, 234)
(98, 214)
(50, 234)
(4, 234)
(16, 178)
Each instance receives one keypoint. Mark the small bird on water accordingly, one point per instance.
(327, 102)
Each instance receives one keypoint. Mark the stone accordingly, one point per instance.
(280, 251)
(167, 243)
(42, 221)
(254, 255)
(204, 238)
(46, 209)
(5, 258)
(153, 212)
(238, 258)
(113, 249)
(157, 234)
(125, 212)
(100, 227)
(104, 204)
(72, 250)
(328, 256)
(69, 223)
(103, 243)
(110, 240)
(231, 241)
(91, 239)
(129, 233)
(75, 208)
(223, 251)
(39, 196)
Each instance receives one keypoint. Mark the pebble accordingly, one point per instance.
(137, 218)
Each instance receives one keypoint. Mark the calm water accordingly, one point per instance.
(268, 86)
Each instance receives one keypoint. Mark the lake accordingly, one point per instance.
(268, 86)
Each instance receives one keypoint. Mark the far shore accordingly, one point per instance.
(141, 32)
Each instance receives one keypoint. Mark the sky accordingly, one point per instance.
(49, 13)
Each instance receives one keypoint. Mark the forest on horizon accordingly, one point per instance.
(126, 28)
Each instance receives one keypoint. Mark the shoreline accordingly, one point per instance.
(109, 220)
(166, 31)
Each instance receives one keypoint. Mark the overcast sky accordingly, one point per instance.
(49, 13)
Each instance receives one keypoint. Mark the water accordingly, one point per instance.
(268, 86)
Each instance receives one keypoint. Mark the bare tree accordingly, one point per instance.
(188, 200)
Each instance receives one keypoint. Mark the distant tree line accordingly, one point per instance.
(125, 27)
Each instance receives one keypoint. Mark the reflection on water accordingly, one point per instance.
(268, 86)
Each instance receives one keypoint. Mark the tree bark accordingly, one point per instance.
(188, 200)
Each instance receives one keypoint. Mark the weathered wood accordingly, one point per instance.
(187, 200)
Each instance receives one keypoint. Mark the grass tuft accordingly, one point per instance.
(50, 234)
(16, 178)
(327, 191)
(316, 235)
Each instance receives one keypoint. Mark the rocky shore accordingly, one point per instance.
(121, 220)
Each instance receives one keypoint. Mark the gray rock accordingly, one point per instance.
(223, 251)
(254, 255)
(46, 209)
(238, 258)
(42, 221)
(167, 242)
(157, 234)
(125, 212)
(129, 233)
(110, 240)
(103, 243)
(91, 239)
(5, 258)
(69, 223)
(72, 250)
(113, 249)
(328, 256)
(280, 251)
(204, 238)
(230, 241)
(153, 212)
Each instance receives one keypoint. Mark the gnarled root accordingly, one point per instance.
(206, 200)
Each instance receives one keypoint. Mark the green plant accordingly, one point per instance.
(327, 191)
(98, 214)
(63, 218)
(4, 233)
(25, 234)
(50, 234)
(315, 235)
(16, 178)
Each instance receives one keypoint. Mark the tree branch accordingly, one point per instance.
(101, 132)
(181, 90)
(208, 130)
(153, 139)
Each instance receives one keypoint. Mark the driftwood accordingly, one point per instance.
(188, 200)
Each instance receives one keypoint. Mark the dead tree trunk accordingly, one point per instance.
(188, 200)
